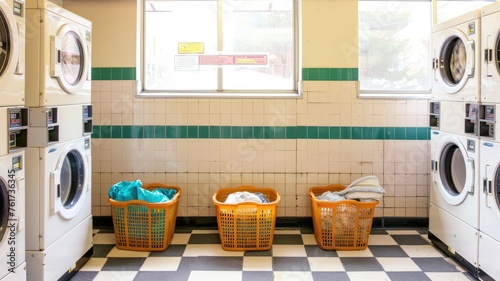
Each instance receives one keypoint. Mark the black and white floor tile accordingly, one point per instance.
(194, 255)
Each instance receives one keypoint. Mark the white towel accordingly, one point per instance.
(364, 189)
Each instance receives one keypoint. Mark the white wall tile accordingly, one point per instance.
(290, 165)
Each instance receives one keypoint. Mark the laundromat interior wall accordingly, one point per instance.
(327, 136)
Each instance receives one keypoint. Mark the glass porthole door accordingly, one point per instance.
(68, 184)
(9, 45)
(5, 44)
(69, 59)
(455, 176)
(4, 211)
(494, 190)
(455, 61)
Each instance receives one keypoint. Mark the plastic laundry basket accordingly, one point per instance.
(140, 225)
(246, 226)
(343, 224)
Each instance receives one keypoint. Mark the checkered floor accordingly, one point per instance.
(197, 255)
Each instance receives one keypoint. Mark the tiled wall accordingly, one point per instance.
(201, 145)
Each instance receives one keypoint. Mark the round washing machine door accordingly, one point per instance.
(4, 211)
(455, 61)
(70, 58)
(9, 47)
(493, 55)
(455, 171)
(494, 189)
(69, 183)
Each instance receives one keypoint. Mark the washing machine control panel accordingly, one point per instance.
(471, 145)
(18, 8)
(17, 128)
(487, 121)
(17, 163)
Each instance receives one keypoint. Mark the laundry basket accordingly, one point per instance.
(144, 226)
(246, 226)
(343, 224)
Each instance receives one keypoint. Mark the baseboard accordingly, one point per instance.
(281, 222)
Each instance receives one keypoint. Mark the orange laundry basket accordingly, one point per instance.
(343, 224)
(246, 226)
(144, 226)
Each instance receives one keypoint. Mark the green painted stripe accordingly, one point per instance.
(113, 73)
(308, 74)
(261, 132)
(330, 74)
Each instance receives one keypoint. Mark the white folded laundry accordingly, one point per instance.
(363, 189)
(330, 196)
(242, 196)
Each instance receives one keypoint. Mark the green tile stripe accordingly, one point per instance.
(308, 74)
(113, 73)
(329, 74)
(261, 132)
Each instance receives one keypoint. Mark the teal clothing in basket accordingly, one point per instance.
(132, 190)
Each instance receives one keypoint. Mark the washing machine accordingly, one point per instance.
(454, 196)
(456, 46)
(490, 67)
(12, 70)
(12, 60)
(58, 217)
(489, 210)
(58, 56)
(12, 217)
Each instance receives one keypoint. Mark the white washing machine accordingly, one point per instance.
(457, 58)
(58, 217)
(489, 210)
(490, 36)
(454, 196)
(58, 56)
(12, 217)
(12, 34)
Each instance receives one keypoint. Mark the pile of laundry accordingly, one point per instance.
(245, 196)
(132, 190)
(364, 189)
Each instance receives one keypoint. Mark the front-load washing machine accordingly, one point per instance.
(456, 58)
(12, 34)
(58, 213)
(58, 57)
(490, 43)
(489, 210)
(12, 217)
(454, 196)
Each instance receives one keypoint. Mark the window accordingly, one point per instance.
(394, 48)
(220, 48)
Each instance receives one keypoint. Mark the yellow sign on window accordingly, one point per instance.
(191, 48)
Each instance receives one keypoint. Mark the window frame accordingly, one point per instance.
(398, 94)
(296, 92)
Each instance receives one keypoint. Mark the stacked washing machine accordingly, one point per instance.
(13, 134)
(489, 148)
(58, 157)
(454, 109)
